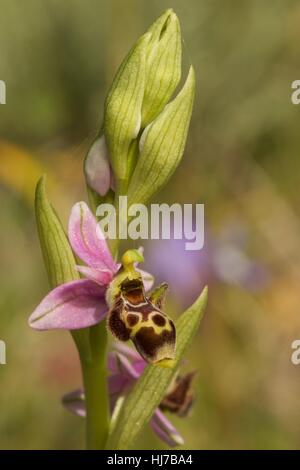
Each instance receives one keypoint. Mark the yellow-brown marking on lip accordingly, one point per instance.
(140, 318)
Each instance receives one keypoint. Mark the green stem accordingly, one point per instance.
(95, 387)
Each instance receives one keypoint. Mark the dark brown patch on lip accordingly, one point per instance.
(148, 342)
(133, 291)
(117, 326)
(159, 320)
(132, 319)
(135, 297)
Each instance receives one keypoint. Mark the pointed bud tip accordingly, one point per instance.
(191, 76)
(177, 439)
(169, 14)
(204, 293)
(41, 183)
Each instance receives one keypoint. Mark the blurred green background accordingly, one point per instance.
(242, 161)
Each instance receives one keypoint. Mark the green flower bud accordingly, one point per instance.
(163, 65)
(161, 145)
(122, 118)
(141, 89)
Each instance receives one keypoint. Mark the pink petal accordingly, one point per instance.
(148, 279)
(97, 168)
(71, 306)
(139, 366)
(119, 364)
(75, 403)
(101, 276)
(116, 366)
(112, 364)
(141, 250)
(126, 368)
(87, 240)
(127, 351)
(165, 430)
(118, 383)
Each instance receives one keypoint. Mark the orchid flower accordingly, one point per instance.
(125, 367)
(140, 145)
(81, 303)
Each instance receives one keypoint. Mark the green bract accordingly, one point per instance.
(57, 253)
(162, 144)
(58, 256)
(146, 395)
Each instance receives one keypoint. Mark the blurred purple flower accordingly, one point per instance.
(223, 259)
(126, 366)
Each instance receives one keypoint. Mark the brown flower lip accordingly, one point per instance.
(180, 397)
